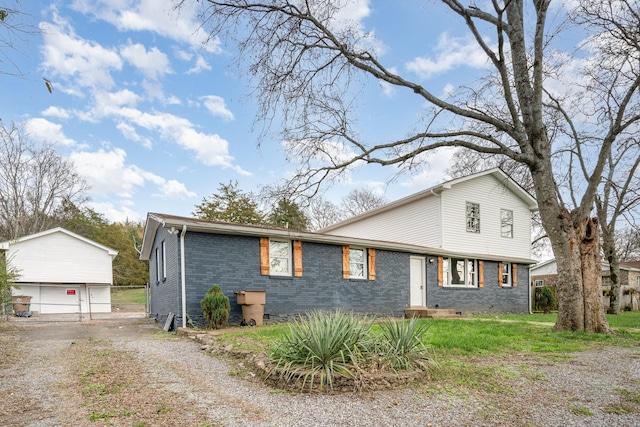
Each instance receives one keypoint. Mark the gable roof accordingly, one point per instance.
(7, 244)
(177, 223)
(497, 173)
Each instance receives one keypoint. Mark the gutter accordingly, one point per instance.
(183, 280)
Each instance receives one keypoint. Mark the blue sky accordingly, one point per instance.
(154, 120)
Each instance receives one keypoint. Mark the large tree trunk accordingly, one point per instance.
(575, 239)
(580, 305)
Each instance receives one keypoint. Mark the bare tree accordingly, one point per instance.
(322, 213)
(34, 182)
(15, 28)
(628, 244)
(619, 197)
(361, 200)
(306, 61)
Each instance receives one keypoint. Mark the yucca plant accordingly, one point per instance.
(321, 345)
(401, 345)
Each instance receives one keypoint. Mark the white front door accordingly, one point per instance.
(418, 291)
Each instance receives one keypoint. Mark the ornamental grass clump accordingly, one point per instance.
(215, 307)
(321, 345)
(401, 345)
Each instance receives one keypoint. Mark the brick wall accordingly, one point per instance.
(233, 263)
(489, 299)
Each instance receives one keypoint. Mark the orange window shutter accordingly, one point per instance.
(481, 274)
(372, 264)
(514, 275)
(297, 258)
(345, 262)
(440, 271)
(499, 274)
(264, 256)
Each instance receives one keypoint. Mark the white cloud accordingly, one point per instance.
(108, 173)
(451, 53)
(217, 107)
(44, 130)
(434, 170)
(173, 189)
(152, 63)
(201, 65)
(60, 113)
(72, 58)
(130, 133)
(150, 15)
(115, 213)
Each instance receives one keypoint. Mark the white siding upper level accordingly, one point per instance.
(59, 256)
(417, 222)
(437, 218)
(492, 197)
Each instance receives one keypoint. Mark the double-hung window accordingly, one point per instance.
(506, 223)
(506, 274)
(460, 272)
(358, 263)
(473, 217)
(280, 257)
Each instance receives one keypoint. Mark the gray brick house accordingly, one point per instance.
(303, 271)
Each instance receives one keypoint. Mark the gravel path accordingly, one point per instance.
(46, 371)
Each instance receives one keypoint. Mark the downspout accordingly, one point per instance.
(183, 279)
(530, 286)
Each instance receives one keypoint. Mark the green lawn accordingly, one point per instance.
(128, 296)
(477, 336)
(474, 353)
(626, 319)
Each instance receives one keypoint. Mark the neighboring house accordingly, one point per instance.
(62, 272)
(546, 274)
(484, 267)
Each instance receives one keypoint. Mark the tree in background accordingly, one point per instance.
(287, 214)
(34, 183)
(306, 60)
(128, 269)
(322, 213)
(628, 243)
(359, 201)
(619, 197)
(230, 204)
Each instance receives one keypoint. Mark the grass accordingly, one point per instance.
(128, 296)
(626, 319)
(472, 353)
(581, 410)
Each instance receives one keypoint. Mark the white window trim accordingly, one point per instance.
(538, 283)
(506, 266)
(157, 265)
(503, 223)
(164, 261)
(476, 227)
(448, 277)
(289, 259)
(364, 262)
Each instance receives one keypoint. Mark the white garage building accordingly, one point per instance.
(62, 272)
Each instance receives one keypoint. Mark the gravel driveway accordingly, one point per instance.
(63, 373)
